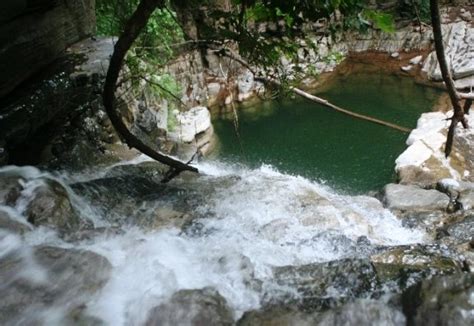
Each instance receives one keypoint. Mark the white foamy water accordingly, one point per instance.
(250, 221)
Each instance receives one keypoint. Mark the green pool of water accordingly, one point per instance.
(299, 137)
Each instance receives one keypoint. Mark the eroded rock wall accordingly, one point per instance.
(35, 33)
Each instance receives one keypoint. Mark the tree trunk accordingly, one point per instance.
(131, 31)
(458, 115)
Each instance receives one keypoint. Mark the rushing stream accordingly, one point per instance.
(245, 222)
(304, 138)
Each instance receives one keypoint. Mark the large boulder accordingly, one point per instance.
(161, 205)
(192, 307)
(443, 301)
(50, 205)
(47, 277)
(406, 198)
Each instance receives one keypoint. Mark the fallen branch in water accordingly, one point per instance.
(130, 33)
(300, 92)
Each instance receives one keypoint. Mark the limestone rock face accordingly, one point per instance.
(459, 40)
(191, 123)
(404, 197)
(423, 162)
(33, 34)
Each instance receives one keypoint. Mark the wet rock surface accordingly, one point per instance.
(278, 316)
(363, 312)
(10, 189)
(443, 300)
(400, 267)
(192, 307)
(413, 198)
(159, 205)
(320, 286)
(57, 278)
(50, 205)
(11, 224)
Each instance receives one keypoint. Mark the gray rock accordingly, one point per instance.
(50, 206)
(428, 221)
(443, 301)
(8, 223)
(158, 204)
(245, 85)
(56, 276)
(323, 285)
(151, 170)
(10, 189)
(406, 68)
(416, 175)
(363, 312)
(395, 55)
(467, 16)
(416, 60)
(466, 199)
(213, 89)
(403, 266)
(462, 231)
(458, 38)
(192, 307)
(190, 124)
(403, 197)
(278, 316)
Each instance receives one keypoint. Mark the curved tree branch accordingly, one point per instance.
(132, 29)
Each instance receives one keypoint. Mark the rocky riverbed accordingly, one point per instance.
(228, 246)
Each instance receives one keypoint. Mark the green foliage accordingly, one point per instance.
(410, 9)
(335, 56)
(165, 86)
(155, 43)
(152, 50)
(381, 20)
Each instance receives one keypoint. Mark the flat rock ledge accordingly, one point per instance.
(412, 198)
(423, 163)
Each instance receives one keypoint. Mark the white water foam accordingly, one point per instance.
(253, 220)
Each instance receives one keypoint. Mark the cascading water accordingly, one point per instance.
(238, 225)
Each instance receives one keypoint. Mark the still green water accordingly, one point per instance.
(300, 137)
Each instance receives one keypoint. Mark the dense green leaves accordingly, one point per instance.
(162, 30)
